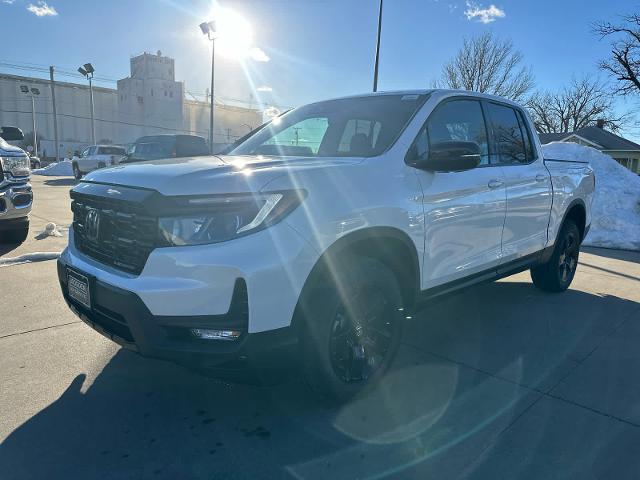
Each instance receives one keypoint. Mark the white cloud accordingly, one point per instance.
(258, 55)
(42, 9)
(484, 15)
(8, 2)
(264, 88)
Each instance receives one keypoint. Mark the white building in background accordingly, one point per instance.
(150, 101)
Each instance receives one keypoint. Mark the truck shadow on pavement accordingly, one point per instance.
(7, 248)
(61, 182)
(471, 367)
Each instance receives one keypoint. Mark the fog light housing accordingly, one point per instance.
(208, 334)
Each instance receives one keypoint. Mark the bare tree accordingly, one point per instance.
(580, 104)
(624, 64)
(489, 65)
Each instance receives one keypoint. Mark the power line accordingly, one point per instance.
(221, 133)
(62, 71)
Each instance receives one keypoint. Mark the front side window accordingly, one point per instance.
(348, 127)
(455, 121)
(507, 135)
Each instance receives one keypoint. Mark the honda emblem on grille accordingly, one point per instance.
(92, 224)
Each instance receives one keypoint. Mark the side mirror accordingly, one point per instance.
(11, 133)
(450, 156)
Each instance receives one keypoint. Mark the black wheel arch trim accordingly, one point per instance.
(373, 235)
(548, 251)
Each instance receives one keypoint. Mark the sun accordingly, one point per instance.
(234, 35)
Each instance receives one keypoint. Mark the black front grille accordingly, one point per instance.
(124, 237)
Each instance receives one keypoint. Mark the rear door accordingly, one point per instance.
(528, 184)
(463, 211)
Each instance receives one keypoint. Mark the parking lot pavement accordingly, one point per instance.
(499, 381)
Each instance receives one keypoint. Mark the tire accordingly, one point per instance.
(76, 172)
(17, 236)
(557, 274)
(351, 328)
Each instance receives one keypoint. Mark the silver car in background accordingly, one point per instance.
(97, 156)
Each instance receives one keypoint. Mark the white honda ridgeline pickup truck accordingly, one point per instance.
(316, 236)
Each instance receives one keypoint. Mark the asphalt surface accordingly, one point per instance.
(500, 381)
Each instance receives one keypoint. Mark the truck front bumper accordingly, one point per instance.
(122, 316)
(15, 205)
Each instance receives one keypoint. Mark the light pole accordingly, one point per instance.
(32, 92)
(375, 68)
(209, 29)
(248, 126)
(87, 71)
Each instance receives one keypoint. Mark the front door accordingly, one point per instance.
(464, 212)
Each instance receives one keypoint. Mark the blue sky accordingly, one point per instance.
(316, 48)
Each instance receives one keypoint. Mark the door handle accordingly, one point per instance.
(493, 184)
(541, 177)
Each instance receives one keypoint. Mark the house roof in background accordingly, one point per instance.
(552, 137)
(608, 140)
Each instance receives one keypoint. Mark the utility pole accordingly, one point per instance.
(55, 113)
(87, 71)
(209, 29)
(32, 92)
(93, 125)
(375, 68)
(33, 119)
(213, 60)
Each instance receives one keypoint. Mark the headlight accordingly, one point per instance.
(16, 166)
(220, 218)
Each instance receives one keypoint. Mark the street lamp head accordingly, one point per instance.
(24, 88)
(35, 91)
(82, 71)
(208, 28)
(89, 68)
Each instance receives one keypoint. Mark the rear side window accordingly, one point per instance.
(507, 135)
(455, 120)
(528, 141)
(191, 147)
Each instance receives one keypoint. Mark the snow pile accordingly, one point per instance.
(29, 258)
(615, 212)
(60, 169)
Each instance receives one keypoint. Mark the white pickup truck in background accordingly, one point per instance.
(97, 156)
(321, 233)
(16, 197)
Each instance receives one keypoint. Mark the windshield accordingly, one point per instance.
(111, 151)
(349, 127)
(152, 148)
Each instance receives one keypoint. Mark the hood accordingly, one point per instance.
(209, 175)
(10, 150)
